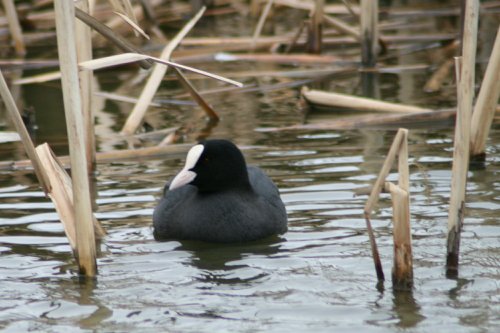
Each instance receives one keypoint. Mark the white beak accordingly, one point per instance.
(186, 175)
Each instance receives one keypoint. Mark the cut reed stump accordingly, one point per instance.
(465, 91)
(402, 274)
(487, 99)
(85, 235)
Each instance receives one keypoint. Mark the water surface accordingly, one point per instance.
(319, 276)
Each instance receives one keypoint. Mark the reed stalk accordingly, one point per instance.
(14, 27)
(61, 194)
(398, 147)
(85, 238)
(315, 31)
(16, 119)
(369, 32)
(357, 103)
(209, 111)
(402, 272)
(84, 53)
(135, 118)
(465, 92)
(486, 102)
(260, 23)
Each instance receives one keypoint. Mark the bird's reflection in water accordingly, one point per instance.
(217, 262)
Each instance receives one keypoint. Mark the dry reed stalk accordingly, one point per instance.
(124, 7)
(262, 20)
(135, 118)
(16, 119)
(373, 121)
(177, 150)
(209, 111)
(357, 103)
(341, 26)
(40, 78)
(465, 92)
(134, 26)
(86, 244)
(315, 31)
(109, 34)
(278, 58)
(14, 27)
(84, 53)
(486, 102)
(402, 272)
(126, 58)
(61, 194)
(369, 32)
(397, 147)
(436, 80)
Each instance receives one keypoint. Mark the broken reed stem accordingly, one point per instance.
(14, 26)
(373, 245)
(262, 20)
(110, 35)
(402, 270)
(369, 32)
(210, 112)
(375, 193)
(16, 119)
(315, 31)
(135, 118)
(358, 103)
(484, 111)
(465, 92)
(436, 80)
(86, 244)
(61, 194)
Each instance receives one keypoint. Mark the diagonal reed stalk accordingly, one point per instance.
(135, 118)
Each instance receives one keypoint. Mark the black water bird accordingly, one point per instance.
(216, 197)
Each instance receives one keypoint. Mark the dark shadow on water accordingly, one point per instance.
(214, 258)
(406, 308)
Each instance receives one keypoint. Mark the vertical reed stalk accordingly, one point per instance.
(65, 28)
(14, 27)
(402, 272)
(15, 117)
(84, 53)
(314, 40)
(486, 102)
(465, 92)
(374, 195)
(369, 32)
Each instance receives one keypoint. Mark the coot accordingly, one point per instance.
(216, 197)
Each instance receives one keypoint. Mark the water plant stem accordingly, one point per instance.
(465, 92)
(369, 32)
(486, 102)
(65, 28)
